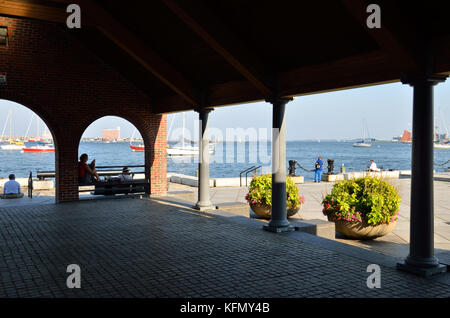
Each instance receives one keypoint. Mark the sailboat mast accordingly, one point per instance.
(4, 127)
(184, 119)
(29, 126)
(10, 125)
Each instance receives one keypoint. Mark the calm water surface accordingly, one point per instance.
(230, 159)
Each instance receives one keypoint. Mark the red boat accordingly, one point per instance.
(137, 148)
(406, 138)
(39, 149)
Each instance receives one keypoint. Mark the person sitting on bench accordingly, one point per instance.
(125, 176)
(373, 166)
(87, 173)
(11, 189)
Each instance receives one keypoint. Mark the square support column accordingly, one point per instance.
(421, 259)
(204, 202)
(278, 222)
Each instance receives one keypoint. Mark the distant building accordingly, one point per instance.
(111, 134)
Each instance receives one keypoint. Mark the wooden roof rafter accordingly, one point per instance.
(395, 36)
(95, 15)
(226, 44)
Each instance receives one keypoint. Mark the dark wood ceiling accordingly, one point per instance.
(236, 51)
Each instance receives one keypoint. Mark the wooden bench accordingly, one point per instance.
(118, 187)
(109, 187)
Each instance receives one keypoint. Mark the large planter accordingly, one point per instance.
(265, 211)
(361, 231)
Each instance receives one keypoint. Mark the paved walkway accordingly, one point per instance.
(395, 244)
(161, 248)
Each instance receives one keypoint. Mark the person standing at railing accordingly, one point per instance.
(86, 172)
(318, 170)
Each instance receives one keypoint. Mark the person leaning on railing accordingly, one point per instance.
(11, 189)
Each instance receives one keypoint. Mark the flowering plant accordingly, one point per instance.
(369, 199)
(260, 192)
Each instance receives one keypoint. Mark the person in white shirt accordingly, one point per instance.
(373, 166)
(12, 188)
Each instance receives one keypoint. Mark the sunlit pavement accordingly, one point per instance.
(394, 244)
(159, 248)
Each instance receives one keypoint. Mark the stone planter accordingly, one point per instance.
(265, 211)
(361, 231)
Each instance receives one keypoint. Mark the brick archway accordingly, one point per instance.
(153, 131)
(69, 87)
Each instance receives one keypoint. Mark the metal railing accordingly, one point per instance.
(247, 171)
(104, 171)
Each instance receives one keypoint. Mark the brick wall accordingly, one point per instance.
(68, 87)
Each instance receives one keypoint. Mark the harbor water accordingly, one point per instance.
(229, 158)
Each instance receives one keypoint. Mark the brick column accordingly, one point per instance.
(66, 166)
(156, 153)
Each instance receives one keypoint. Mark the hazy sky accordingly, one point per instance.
(336, 115)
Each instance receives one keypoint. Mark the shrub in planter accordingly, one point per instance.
(362, 208)
(259, 196)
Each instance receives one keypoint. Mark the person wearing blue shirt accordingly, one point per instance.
(318, 170)
(11, 189)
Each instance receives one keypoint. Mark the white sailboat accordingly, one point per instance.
(363, 142)
(186, 150)
(13, 144)
(440, 144)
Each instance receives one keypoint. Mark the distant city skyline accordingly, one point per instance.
(387, 110)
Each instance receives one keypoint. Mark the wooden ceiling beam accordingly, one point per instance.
(31, 10)
(138, 50)
(221, 40)
(355, 71)
(114, 31)
(395, 36)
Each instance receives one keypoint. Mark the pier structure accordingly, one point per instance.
(147, 59)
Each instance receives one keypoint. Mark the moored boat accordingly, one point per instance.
(13, 145)
(406, 137)
(137, 148)
(441, 146)
(39, 149)
(363, 142)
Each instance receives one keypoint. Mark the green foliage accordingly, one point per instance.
(367, 199)
(260, 191)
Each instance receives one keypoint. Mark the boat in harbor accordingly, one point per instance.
(138, 148)
(406, 137)
(39, 149)
(441, 141)
(363, 142)
(13, 145)
(441, 145)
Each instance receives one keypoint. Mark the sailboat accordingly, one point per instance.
(406, 137)
(186, 150)
(438, 143)
(41, 147)
(13, 144)
(363, 142)
(138, 148)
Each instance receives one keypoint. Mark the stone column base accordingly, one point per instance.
(279, 229)
(203, 208)
(422, 271)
